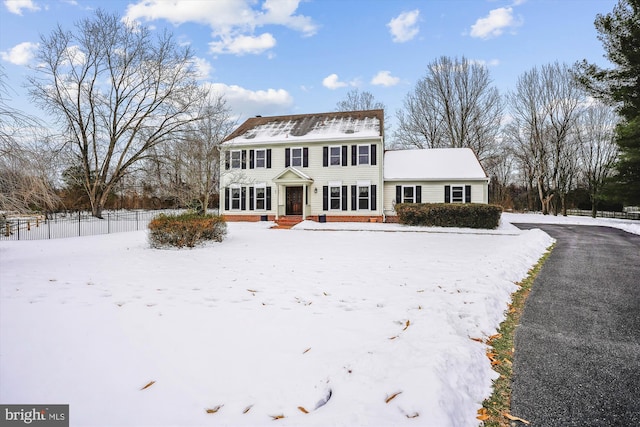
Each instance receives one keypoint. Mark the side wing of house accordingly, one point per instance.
(326, 166)
(433, 176)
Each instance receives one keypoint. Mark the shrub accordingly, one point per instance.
(187, 229)
(467, 215)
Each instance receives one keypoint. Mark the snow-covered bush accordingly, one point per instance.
(465, 215)
(187, 229)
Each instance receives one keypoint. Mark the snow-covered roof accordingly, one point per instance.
(432, 164)
(309, 127)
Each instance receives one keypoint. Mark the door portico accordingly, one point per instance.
(293, 192)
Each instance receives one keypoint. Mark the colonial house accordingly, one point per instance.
(333, 167)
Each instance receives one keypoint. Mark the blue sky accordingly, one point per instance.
(273, 57)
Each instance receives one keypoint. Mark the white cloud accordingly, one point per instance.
(404, 27)
(248, 103)
(493, 25)
(489, 63)
(241, 45)
(332, 82)
(20, 54)
(384, 78)
(233, 22)
(16, 6)
(203, 68)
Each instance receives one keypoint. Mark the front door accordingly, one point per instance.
(294, 200)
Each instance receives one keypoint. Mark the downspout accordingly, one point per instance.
(381, 180)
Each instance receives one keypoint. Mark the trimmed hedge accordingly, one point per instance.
(187, 229)
(466, 215)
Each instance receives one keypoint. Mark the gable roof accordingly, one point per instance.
(309, 127)
(433, 164)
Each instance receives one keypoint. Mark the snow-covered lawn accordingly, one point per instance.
(320, 327)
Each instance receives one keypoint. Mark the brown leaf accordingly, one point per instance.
(149, 384)
(414, 415)
(478, 339)
(393, 338)
(393, 396)
(513, 418)
(406, 325)
(301, 408)
(277, 417)
(483, 415)
(214, 410)
(306, 350)
(247, 409)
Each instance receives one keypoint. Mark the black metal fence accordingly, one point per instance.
(73, 224)
(605, 214)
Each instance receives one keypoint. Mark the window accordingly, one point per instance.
(363, 198)
(236, 159)
(335, 196)
(335, 156)
(261, 158)
(363, 154)
(457, 194)
(235, 198)
(296, 157)
(408, 194)
(261, 198)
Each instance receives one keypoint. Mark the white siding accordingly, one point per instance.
(433, 192)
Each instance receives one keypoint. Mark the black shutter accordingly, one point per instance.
(244, 159)
(226, 198)
(243, 199)
(325, 198)
(467, 194)
(398, 193)
(305, 157)
(227, 160)
(374, 198)
(354, 155)
(447, 194)
(344, 155)
(373, 155)
(418, 193)
(345, 198)
(268, 158)
(325, 156)
(268, 198)
(251, 204)
(354, 197)
(287, 155)
(251, 159)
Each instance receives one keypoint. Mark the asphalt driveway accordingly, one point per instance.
(577, 359)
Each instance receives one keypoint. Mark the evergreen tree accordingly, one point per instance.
(619, 32)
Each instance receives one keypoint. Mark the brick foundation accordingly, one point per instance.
(329, 218)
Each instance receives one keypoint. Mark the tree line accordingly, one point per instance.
(136, 129)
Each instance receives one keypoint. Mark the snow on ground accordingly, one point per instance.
(268, 323)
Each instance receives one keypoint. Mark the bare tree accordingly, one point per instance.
(199, 152)
(544, 108)
(454, 105)
(117, 92)
(597, 148)
(26, 164)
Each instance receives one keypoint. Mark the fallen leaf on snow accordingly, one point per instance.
(306, 350)
(301, 409)
(483, 415)
(393, 396)
(478, 340)
(247, 409)
(214, 410)
(406, 325)
(149, 384)
(277, 417)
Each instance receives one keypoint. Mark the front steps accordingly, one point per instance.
(286, 222)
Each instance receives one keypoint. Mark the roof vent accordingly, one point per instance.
(258, 115)
(349, 131)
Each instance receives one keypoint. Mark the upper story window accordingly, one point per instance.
(363, 154)
(335, 156)
(236, 159)
(261, 158)
(296, 157)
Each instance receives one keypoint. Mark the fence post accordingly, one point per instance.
(78, 223)
(49, 228)
(18, 228)
(136, 220)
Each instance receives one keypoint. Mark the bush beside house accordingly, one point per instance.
(187, 229)
(467, 215)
